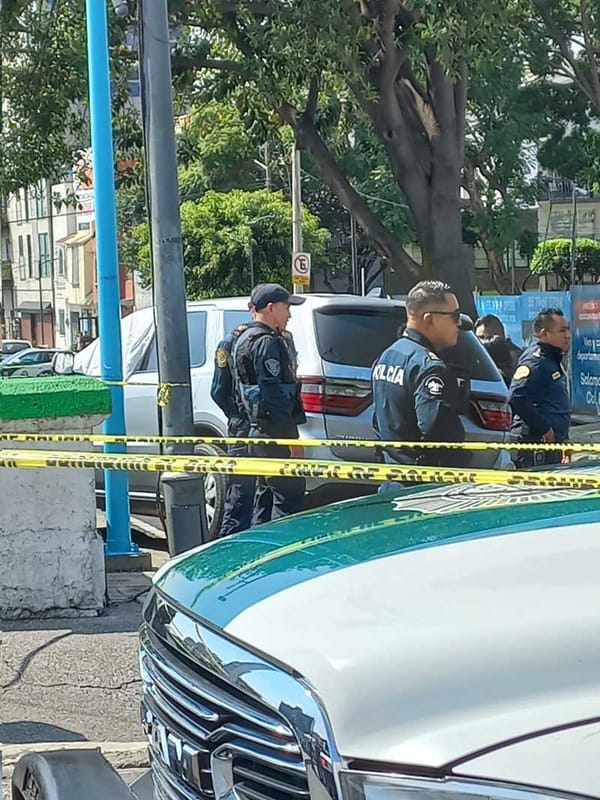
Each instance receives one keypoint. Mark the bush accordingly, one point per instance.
(554, 256)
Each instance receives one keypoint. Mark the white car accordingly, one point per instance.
(30, 363)
(338, 337)
(10, 346)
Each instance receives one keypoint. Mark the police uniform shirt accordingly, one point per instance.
(416, 397)
(264, 365)
(539, 394)
(222, 389)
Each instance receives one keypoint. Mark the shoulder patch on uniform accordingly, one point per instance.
(521, 373)
(434, 386)
(221, 357)
(273, 367)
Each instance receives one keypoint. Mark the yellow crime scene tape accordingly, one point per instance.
(277, 467)
(342, 443)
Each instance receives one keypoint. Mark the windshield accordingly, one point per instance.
(13, 347)
(469, 359)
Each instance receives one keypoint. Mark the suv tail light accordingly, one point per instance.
(348, 398)
(493, 414)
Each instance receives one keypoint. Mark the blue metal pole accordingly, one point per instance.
(118, 534)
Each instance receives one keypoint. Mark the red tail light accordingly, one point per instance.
(493, 414)
(346, 398)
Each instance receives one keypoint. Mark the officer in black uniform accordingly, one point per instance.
(416, 396)
(239, 497)
(265, 375)
(504, 352)
(539, 392)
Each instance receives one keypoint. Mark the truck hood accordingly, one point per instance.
(432, 623)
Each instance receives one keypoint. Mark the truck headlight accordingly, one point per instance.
(367, 786)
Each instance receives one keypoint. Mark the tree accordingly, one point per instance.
(402, 68)
(225, 235)
(554, 257)
(43, 90)
(564, 38)
(502, 125)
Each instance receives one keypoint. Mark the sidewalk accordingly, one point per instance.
(75, 682)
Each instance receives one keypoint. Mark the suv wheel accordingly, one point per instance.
(215, 487)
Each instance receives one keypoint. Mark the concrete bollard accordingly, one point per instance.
(51, 556)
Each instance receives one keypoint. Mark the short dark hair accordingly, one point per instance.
(491, 323)
(426, 292)
(544, 319)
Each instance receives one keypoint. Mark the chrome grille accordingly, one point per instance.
(192, 716)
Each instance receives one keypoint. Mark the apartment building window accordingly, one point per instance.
(19, 207)
(61, 262)
(43, 246)
(26, 203)
(29, 258)
(75, 266)
(21, 258)
(41, 200)
(61, 323)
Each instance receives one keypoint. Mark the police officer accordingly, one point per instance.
(239, 497)
(539, 392)
(265, 374)
(503, 352)
(416, 396)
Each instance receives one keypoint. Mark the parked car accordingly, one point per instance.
(338, 337)
(434, 643)
(33, 362)
(10, 346)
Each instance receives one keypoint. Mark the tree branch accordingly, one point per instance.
(560, 40)
(313, 99)
(590, 53)
(384, 242)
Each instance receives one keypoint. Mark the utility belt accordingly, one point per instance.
(259, 417)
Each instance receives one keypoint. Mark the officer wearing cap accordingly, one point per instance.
(239, 497)
(265, 376)
(416, 396)
(539, 392)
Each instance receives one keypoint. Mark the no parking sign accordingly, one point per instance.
(301, 269)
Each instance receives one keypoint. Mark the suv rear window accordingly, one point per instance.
(470, 359)
(356, 336)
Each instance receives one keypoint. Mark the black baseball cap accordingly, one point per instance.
(266, 293)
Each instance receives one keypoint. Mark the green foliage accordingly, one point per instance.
(554, 256)
(43, 90)
(219, 230)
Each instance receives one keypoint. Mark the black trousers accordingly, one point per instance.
(239, 496)
(278, 496)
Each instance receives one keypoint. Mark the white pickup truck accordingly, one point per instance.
(433, 644)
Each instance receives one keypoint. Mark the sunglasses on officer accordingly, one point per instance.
(454, 315)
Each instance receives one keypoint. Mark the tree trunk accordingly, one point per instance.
(386, 244)
(497, 270)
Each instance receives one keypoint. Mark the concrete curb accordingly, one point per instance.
(122, 755)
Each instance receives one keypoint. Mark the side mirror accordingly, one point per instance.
(63, 363)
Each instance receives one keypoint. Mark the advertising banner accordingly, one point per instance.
(517, 312)
(586, 349)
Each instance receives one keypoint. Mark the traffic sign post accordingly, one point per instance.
(301, 269)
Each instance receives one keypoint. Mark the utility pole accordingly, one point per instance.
(296, 208)
(50, 203)
(573, 234)
(183, 494)
(354, 248)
